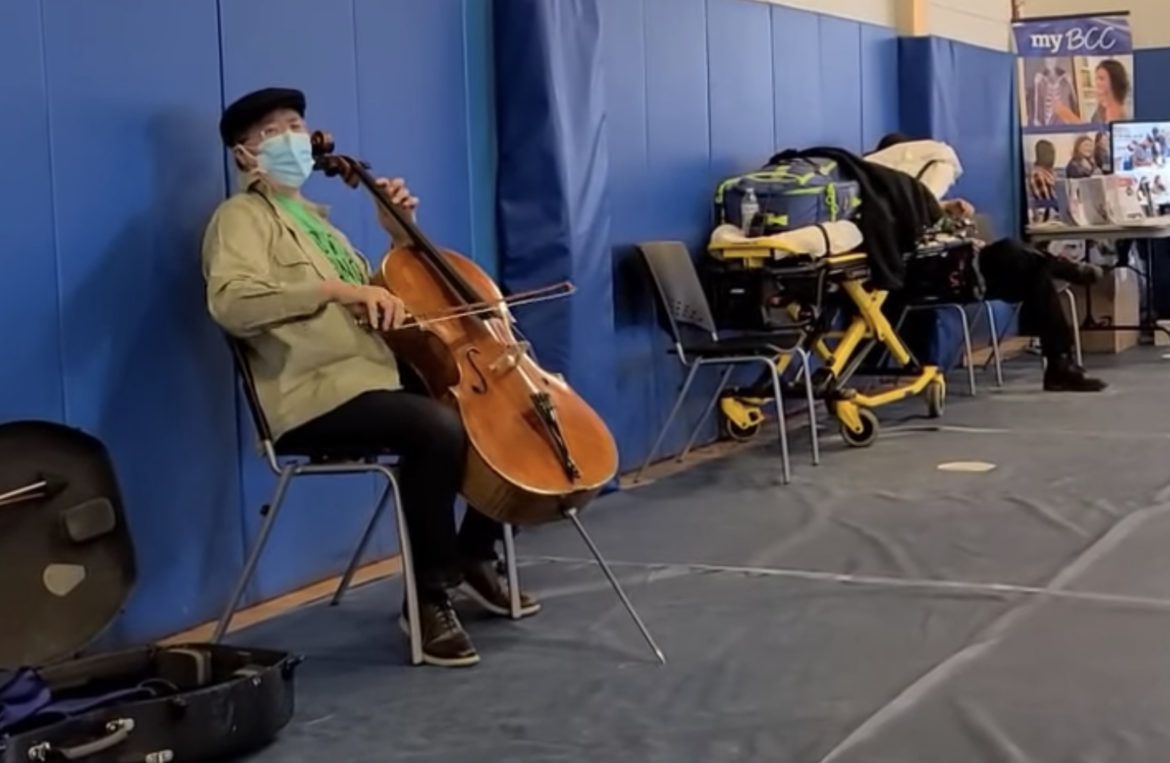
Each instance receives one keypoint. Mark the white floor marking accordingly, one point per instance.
(969, 467)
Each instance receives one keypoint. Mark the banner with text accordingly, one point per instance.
(1075, 78)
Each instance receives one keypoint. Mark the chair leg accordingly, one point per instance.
(408, 578)
(706, 413)
(686, 387)
(966, 324)
(571, 515)
(781, 423)
(513, 574)
(995, 354)
(814, 435)
(360, 551)
(1074, 314)
(254, 553)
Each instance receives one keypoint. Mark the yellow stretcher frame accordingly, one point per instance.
(839, 350)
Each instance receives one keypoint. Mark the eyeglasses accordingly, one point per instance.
(278, 127)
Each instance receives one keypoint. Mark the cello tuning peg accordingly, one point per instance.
(322, 143)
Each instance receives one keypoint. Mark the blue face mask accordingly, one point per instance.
(287, 159)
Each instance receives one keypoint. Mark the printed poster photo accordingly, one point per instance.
(1052, 157)
(1075, 90)
(1075, 80)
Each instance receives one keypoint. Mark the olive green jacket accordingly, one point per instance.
(264, 280)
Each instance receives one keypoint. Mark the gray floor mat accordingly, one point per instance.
(875, 610)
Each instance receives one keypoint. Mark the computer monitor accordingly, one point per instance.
(1140, 159)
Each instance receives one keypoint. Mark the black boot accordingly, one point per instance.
(484, 585)
(444, 642)
(1062, 375)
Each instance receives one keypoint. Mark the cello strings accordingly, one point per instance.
(557, 290)
(478, 310)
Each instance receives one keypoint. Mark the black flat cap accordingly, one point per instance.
(247, 110)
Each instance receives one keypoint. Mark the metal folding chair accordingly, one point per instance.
(287, 465)
(697, 343)
(965, 322)
(300, 464)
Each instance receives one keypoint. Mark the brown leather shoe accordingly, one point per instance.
(444, 642)
(484, 586)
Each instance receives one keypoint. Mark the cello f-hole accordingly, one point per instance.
(479, 387)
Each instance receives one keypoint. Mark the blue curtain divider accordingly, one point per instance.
(553, 212)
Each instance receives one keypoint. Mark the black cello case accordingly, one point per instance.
(67, 561)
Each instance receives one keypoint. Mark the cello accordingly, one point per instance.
(536, 450)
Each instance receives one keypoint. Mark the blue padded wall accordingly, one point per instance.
(1151, 95)
(739, 42)
(965, 95)
(418, 127)
(118, 167)
(880, 90)
(30, 378)
(322, 516)
(637, 350)
(698, 90)
(479, 55)
(135, 173)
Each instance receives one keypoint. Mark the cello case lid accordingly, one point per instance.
(66, 557)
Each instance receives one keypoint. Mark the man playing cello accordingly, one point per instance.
(283, 279)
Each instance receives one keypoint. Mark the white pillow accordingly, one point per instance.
(911, 157)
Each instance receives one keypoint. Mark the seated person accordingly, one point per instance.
(1016, 272)
(282, 278)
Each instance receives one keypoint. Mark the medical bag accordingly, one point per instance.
(68, 563)
(786, 196)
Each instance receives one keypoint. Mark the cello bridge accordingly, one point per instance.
(510, 358)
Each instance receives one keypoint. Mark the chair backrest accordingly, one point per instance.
(240, 359)
(680, 292)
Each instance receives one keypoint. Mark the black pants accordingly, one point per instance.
(429, 440)
(1015, 272)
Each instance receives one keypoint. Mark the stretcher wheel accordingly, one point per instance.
(936, 400)
(868, 433)
(738, 433)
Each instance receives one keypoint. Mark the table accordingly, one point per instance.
(1146, 230)
(1150, 228)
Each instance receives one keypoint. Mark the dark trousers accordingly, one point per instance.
(1015, 272)
(429, 440)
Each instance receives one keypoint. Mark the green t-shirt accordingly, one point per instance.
(337, 253)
